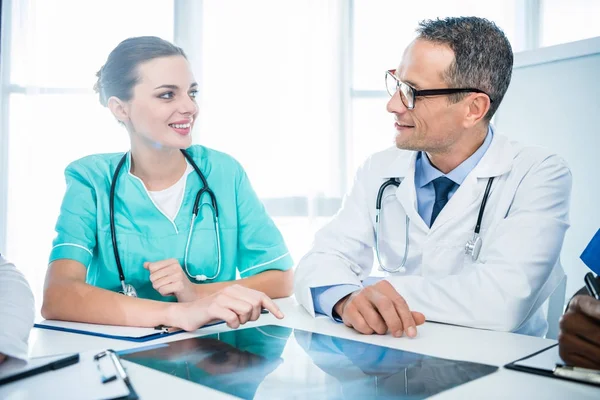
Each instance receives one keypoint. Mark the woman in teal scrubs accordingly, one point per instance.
(182, 268)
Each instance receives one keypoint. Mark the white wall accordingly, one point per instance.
(554, 101)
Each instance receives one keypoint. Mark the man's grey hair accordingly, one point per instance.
(483, 57)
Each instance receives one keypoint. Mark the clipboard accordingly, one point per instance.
(547, 362)
(131, 334)
(100, 376)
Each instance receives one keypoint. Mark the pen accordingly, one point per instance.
(592, 286)
(62, 363)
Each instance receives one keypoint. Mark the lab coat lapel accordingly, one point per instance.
(407, 194)
(496, 161)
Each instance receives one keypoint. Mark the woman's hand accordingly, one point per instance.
(235, 305)
(169, 279)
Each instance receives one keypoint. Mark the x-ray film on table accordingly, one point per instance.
(271, 362)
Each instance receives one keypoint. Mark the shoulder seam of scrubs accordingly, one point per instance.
(155, 205)
(265, 263)
(76, 245)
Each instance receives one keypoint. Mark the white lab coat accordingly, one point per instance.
(523, 228)
(16, 311)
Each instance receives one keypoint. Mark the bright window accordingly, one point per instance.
(55, 48)
(568, 21)
(269, 97)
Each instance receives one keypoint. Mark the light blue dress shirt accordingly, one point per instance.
(326, 297)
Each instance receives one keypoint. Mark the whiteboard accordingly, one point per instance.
(554, 101)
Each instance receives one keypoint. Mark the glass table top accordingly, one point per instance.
(274, 362)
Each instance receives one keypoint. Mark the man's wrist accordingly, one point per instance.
(338, 309)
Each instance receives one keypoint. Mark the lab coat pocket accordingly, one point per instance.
(448, 257)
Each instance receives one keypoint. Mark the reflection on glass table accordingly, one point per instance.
(270, 362)
(376, 372)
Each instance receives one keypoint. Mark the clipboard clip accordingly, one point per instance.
(577, 373)
(118, 367)
(166, 329)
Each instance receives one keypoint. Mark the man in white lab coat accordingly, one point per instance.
(449, 84)
(16, 312)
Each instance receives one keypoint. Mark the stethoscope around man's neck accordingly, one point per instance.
(472, 247)
(128, 289)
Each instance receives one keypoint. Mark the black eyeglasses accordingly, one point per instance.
(409, 94)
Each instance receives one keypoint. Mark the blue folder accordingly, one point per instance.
(145, 335)
(131, 334)
(591, 254)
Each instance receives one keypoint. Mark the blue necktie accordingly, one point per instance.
(442, 186)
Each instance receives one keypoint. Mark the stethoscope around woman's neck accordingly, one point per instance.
(128, 289)
(472, 247)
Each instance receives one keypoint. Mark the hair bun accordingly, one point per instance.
(98, 86)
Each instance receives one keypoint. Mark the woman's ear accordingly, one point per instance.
(119, 109)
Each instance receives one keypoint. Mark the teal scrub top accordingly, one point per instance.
(250, 241)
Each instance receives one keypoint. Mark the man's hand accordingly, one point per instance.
(379, 309)
(579, 337)
(169, 279)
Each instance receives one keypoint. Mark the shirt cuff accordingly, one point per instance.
(326, 297)
(372, 280)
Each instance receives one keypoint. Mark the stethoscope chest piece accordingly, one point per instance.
(473, 247)
(128, 290)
